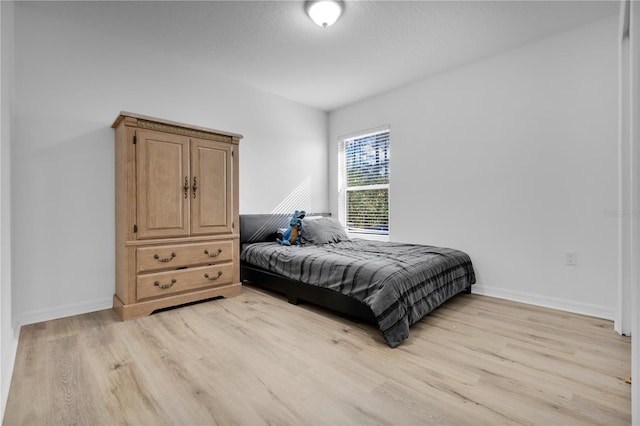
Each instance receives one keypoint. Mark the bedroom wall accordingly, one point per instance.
(72, 78)
(512, 159)
(8, 338)
(633, 83)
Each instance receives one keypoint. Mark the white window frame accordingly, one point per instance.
(343, 189)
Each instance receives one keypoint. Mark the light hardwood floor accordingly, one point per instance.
(255, 359)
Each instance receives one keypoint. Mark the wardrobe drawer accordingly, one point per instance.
(170, 282)
(181, 255)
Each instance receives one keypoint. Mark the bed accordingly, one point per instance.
(392, 285)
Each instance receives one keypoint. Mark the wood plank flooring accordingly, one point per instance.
(255, 359)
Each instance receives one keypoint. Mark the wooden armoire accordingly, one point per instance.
(177, 229)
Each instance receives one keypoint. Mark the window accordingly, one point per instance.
(364, 182)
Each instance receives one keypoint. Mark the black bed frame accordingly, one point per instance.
(261, 227)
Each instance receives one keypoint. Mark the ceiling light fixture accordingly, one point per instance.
(324, 12)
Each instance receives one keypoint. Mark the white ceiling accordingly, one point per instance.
(376, 46)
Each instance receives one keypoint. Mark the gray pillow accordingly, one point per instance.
(323, 230)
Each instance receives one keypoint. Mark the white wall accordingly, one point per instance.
(8, 338)
(513, 160)
(72, 78)
(633, 132)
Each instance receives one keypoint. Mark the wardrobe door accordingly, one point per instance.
(212, 187)
(162, 185)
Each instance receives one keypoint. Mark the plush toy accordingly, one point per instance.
(292, 235)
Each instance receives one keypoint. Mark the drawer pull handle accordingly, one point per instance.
(213, 254)
(165, 286)
(164, 259)
(213, 278)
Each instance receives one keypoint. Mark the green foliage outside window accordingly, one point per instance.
(368, 209)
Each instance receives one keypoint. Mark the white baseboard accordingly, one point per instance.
(546, 302)
(40, 315)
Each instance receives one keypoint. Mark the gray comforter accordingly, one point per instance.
(401, 283)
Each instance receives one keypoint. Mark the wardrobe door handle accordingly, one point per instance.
(186, 186)
(195, 186)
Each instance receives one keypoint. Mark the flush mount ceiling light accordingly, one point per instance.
(324, 12)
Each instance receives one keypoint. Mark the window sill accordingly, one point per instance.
(368, 236)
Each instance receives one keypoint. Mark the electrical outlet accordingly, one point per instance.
(570, 257)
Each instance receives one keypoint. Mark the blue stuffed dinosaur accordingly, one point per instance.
(292, 235)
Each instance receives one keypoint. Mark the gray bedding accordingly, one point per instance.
(401, 283)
